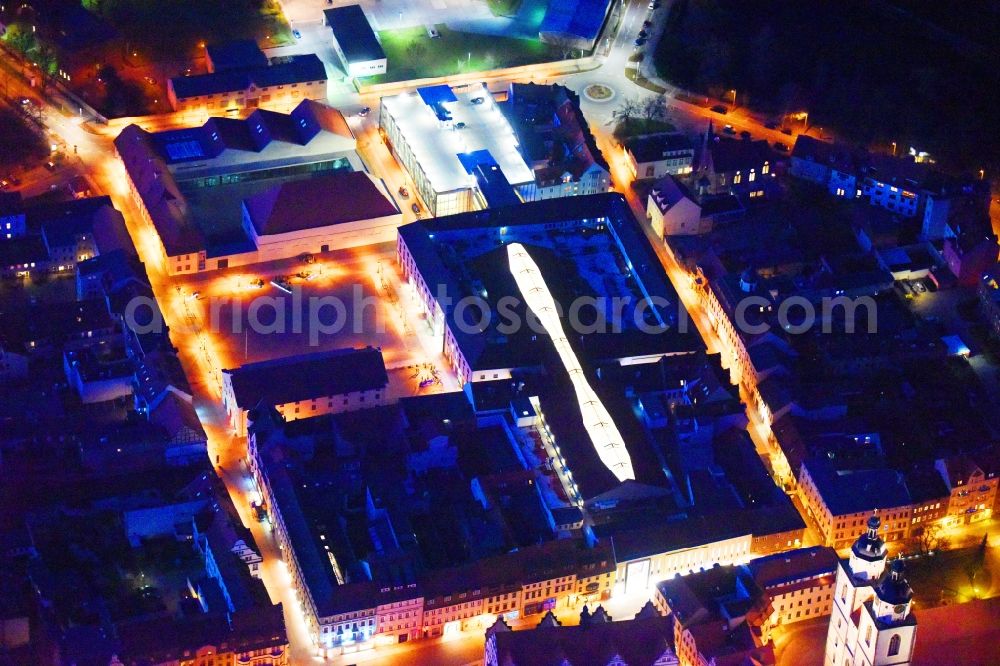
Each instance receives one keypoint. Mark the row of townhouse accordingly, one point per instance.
(842, 500)
(240, 76)
(901, 185)
(343, 615)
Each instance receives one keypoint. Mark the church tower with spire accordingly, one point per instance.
(871, 623)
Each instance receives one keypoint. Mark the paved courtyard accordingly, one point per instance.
(346, 298)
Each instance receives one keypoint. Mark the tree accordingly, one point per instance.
(628, 109)
(930, 539)
(563, 45)
(978, 562)
(654, 108)
(20, 37)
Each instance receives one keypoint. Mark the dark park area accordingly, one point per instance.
(914, 73)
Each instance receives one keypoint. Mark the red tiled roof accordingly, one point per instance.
(333, 198)
(783, 568)
(641, 642)
(966, 634)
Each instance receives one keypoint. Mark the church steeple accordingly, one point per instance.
(869, 552)
(893, 594)
(870, 620)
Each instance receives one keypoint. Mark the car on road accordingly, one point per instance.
(433, 33)
(403, 192)
(718, 108)
(415, 207)
(307, 258)
(728, 129)
(459, 125)
(780, 147)
(4, 184)
(51, 166)
(745, 134)
(365, 110)
(296, 34)
(477, 100)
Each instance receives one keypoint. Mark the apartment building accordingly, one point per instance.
(654, 156)
(298, 387)
(972, 492)
(241, 77)
(799, 584)
(842, 500)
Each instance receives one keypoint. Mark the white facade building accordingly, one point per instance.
(871, 623)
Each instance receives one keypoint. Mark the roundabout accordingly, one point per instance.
(598, 92)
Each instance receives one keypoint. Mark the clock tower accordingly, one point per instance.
(870, 620)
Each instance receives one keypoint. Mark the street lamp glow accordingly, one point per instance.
(597, 420)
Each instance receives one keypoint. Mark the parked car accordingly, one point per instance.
(459, 125)
(719, 108)
(640, 41)
(780, 147)
(646, 24)
(415, 207)
(745, 134)
(477, 100)
(365, 111)
(307, 258)
(771, 125)
(403, 192)
(296, 34)
(728, 129)
(51, 166)
(785, 130)
(643, 34)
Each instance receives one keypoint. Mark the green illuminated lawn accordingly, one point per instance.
(414, 55)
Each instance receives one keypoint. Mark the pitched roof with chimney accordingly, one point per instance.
(291, 69)
(783, 568)
(291, 379)
(835, 156)
(654, 147)
(642, 641)
(668, 192)
(236, 54)
(738, 154)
